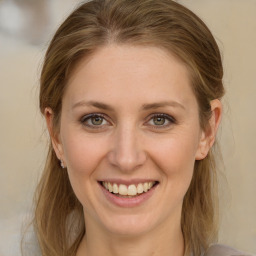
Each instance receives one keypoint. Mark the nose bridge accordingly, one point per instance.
(127, 152)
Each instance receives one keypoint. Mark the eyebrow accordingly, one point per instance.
(104, 106)
(162, 104)
(95, 104)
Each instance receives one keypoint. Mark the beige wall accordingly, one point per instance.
(22, 141)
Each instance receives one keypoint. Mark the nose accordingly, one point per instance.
(127, 152)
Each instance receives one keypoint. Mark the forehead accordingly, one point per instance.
(139, 72)
(128, 56)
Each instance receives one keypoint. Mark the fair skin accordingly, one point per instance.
(145, 129)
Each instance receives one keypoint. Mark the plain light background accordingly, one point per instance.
(22, 130)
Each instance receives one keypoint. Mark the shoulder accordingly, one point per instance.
(224, 250)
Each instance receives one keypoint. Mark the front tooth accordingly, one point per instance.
(115, 188)
(122, 190)
(145, 186)
(140, 188)
(132, 191)
(110, 187)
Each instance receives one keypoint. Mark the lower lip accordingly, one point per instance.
(128, 202)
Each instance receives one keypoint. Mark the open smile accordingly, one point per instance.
(128, 195)
(128, 190)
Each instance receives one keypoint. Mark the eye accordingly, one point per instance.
(161, 120)
(94, 121)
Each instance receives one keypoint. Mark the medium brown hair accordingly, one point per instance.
(58, 218)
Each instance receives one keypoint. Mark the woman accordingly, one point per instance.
(130, 91)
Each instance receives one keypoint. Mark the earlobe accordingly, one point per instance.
(56, 143)
(208, 136)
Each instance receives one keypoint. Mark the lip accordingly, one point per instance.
(128, 202)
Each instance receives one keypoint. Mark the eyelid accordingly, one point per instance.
(170, 118)
(91, 115)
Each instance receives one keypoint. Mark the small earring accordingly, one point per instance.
(62, 164)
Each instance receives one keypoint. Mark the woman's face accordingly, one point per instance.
(130, 124)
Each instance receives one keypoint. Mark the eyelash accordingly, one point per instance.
(89, 117)
(171, 120)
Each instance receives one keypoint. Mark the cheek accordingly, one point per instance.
(175, 157)
(176, 153)
(82, 154)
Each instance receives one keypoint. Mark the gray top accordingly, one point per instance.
(224, 250)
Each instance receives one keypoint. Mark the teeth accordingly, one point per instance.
(109, 187)
(115, 189)
(122, 190)
(140, 188)
(131, 190)
(145, 187)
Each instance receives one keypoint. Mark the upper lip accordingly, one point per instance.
(128, 182)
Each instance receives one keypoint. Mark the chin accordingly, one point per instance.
(129, 225)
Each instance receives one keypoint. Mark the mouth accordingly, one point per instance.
(128, 191)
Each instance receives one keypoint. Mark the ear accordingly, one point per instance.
(208, 136)
(56, 143)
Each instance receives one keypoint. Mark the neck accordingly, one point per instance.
(164, 241)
